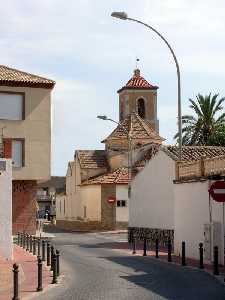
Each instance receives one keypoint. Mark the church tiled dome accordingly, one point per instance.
(138, 82)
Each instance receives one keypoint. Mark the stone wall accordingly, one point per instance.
(79, 225)
(108, 210)
(121, 225)
(151, 234)
(24, 206)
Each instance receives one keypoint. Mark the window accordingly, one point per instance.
(141, 107)
(14, 148)
(121, 203)
(12, 106)
(17, 153)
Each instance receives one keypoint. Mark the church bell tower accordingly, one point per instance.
(139, 96)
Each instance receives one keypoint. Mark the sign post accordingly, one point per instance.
(217, 192)
(111, 199)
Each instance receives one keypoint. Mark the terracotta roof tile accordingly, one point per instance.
(190, 153)
(137, 128)
(14, 77)
(138, 82)
(118, 176)
(146, 156)
(92, 159)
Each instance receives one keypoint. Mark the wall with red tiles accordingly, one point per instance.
(24, 206)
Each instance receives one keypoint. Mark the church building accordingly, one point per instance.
(97, 180)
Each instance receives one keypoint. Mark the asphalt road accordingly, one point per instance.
(93, 271)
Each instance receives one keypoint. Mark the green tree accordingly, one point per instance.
(206, 126)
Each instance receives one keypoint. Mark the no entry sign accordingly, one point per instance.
(217, 191)
(111, 199)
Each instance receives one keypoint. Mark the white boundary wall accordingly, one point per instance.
(6, 210)
(191, 213)
(152, 194)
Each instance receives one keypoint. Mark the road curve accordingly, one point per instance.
(93, 271)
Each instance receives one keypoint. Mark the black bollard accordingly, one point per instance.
(201, 266)
(131, 237)
(57, 254)
(18, 238)
(157, 248)
(54, 278)
(15, 282)
(39, 287)
(134, 245)
(52, 255)
(169, 245)
(34, 245)
(27, 242)
(21, 239)
(24, 240)
(48, 254)
(43, 250)
(39, 246)
(216, 261)
(183, 257)
(145, 247)
(31, 243)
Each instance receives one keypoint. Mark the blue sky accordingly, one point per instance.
(91, 55)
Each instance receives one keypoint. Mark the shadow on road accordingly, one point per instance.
(171, 281)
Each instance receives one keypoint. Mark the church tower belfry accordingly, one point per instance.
(139, 96)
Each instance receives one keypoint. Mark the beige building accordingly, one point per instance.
(97, 180)
(25, 120)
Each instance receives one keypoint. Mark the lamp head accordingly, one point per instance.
(104, 117)
(119, 15)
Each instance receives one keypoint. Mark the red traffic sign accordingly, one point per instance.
(111, 199)
(217, 191)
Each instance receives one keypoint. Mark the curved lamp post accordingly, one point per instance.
(124, 16)
(105, 118)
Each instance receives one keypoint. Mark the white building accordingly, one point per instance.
(6, 208)
(170, 199)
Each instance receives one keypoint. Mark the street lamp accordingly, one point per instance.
(124, 16)
(129, 139)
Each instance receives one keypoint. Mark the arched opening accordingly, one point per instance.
(141, 107)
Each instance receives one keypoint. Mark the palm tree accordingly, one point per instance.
(206, 127)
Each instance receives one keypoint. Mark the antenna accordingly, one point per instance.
(2, 135)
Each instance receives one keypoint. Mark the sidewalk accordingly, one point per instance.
(27, 275)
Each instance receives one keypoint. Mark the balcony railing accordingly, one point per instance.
(201, 168)
(43, 197)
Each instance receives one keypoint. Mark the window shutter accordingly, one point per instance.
(7, 148)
